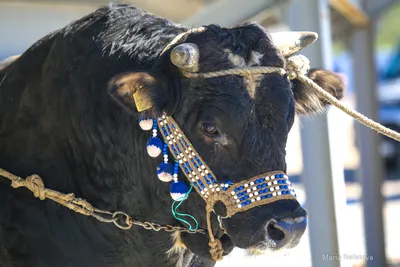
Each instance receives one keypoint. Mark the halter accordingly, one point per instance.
(237, 197)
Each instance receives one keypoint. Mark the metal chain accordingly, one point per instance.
(119, 218)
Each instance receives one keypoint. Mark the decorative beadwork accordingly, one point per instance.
(146, 124)
(154, 144)
(241, 196)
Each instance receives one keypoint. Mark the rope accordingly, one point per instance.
(120, 219)
(176, 214)
(296, 68)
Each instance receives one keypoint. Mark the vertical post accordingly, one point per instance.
(322, 169)
(370, 173)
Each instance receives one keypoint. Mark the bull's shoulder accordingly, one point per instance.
(8, 61)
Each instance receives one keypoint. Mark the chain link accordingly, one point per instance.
(119, 218)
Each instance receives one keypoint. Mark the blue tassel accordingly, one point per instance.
(165, 172)
(178, 190)
(154, 147)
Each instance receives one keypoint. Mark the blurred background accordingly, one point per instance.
(346, 175)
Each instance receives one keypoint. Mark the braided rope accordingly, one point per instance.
(122, 220)
(296, 68)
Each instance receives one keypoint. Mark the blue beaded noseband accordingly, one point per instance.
(237, 197)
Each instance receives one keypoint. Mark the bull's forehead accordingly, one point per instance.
(239, 47)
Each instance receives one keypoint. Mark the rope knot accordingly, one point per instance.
(296, 66)
(36, 185)
(216, 249)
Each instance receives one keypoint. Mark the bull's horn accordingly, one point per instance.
(291, 42)
(186, 56)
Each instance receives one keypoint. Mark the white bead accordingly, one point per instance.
(235, 197)
(248, 190)
(193, 180)
(187, 152)
(267, 178)
(246, 185)
(212, 190)
(202, 192)
(176, 179)
(237, 201)
(218, 189)
(163, 116)
(210, 186)
(193, 173)
(274, 193)
(269, 183)
(285, 176)
(181, 154)
(185, 159)
(226, 185)
(206, 171)
(272, 177)
(251, 195)
(251, 183)
(199, 170)
(275, 182)
(161, 123)
(190, 156)
(175, 175)
(232, 193)
(190, 175)
(168, 137)
(239, 206)
(279, 193)
(202, 166)
(256, 193)
(205, 189)
(253, 200)
(258, 198)
(154, 134)
(180, 161)
(272, 189)
(170, 142)
(203, 174)
(254, 188)
(277, 187)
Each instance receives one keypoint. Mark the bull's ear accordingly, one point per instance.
(308, 100)
(137, 91)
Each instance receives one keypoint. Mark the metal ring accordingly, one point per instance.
(127, 219)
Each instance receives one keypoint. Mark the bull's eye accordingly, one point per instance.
(210, 129)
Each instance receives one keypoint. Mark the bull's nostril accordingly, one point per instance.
(274, 233)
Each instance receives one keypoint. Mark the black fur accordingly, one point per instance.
(58, 120)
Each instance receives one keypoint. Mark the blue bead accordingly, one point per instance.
(283, 192)
(257, 181)
(259, 186)
(241, 187)
(264, 185)
(266, 190)
(243, 204)
(229, 182)
(209, 175)
(261, 192)
(286, 187)
(262, 197)
(279, 181)
(236, 189)
(261, 180)
(246, 197)
(281, 187)
(283, 181)
(248, 202)
(269, 195)
(281, 175)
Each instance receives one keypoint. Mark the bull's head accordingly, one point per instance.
(238, 124)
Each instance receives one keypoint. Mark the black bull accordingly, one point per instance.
(57, 119)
